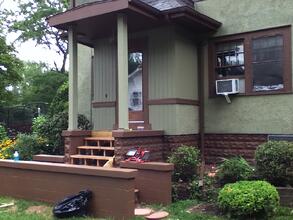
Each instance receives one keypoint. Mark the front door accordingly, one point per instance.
(137, 104)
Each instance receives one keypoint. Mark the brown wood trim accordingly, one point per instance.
(136, 133)
(247, 38)
(173, 101)
(103, 104)
(87, 11)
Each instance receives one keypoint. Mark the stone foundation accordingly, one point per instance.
(219, 146)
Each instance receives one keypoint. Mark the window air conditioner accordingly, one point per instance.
(227, 86)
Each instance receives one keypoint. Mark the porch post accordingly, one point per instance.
(73, 97)
(122, 50)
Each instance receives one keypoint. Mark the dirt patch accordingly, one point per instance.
(205, 208)
(37, 210)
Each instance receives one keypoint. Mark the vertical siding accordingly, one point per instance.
(104, 83)
(105, 71)
(103, 118)
(161, 63)
(186, 75)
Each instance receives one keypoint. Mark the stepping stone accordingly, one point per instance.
(142, 211)
(157, 215)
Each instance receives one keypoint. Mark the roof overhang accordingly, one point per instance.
(98, 19)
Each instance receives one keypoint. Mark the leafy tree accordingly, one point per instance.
(30, 21)
(39, 84)
(10, 66)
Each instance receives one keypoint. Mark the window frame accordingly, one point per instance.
(247, 39)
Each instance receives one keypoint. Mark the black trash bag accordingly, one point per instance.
(72, 206)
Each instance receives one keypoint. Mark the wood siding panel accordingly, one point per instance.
(186, 75)
(103, 118)
(161, 63)
(105, 69)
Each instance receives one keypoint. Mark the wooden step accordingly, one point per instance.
(96, 148)
(99, 139)
(104, 133)
(91, 157)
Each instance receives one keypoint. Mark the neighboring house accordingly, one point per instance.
(186, 47)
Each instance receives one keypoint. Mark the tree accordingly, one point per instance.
(10, 67)
(39, 83)
(30, 21)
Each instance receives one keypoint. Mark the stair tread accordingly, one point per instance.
(91, 157)
(99, 138)
(96, 148)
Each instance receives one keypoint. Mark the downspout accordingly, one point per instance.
(201, 108)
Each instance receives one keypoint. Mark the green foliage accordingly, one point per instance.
(28, 145)
(246, 199)
(193, 190)
(29, 20)
(39, 84)
(60, 101)
(185, 160)
(83, 123)
(233, 170)
(273, 159)
(3, 133)
(10, 66)
(51, 127)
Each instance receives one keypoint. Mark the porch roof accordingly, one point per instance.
(98, 19)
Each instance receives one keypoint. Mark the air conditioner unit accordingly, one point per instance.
(227, 86)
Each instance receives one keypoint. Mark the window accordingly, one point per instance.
(260, 60)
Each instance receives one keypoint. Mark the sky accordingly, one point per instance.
(29, 51)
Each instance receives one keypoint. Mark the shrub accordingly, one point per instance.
(6, 149)
(28, 145)
(246, 199)
(51, 127)
(233, 170)
(3, 133)
(273, 159)
(185, 160)
(60, 101)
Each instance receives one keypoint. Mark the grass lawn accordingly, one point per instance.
(27, 210)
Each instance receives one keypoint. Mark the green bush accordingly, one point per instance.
(273, 159)
(249, 199)
(51, 127)
(185, 160)
(3, 133)
(233, 170)
(28, 145)
(60, 101)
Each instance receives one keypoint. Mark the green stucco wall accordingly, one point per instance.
(84, 80)
(250, 114)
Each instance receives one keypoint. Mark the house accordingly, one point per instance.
(185, 47)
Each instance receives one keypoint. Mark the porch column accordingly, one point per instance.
(122, 50)
(73, 97)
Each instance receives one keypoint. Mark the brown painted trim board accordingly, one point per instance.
(173, 101)
(96, 104)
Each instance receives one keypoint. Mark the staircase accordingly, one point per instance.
(97, 151)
